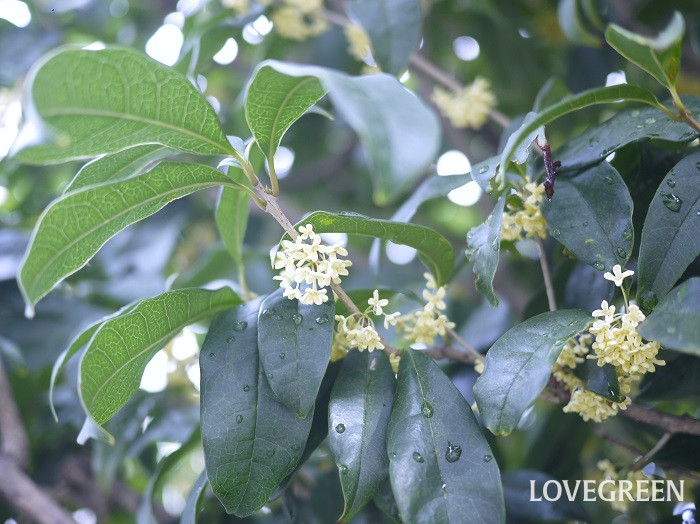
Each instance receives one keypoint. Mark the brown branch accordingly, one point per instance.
(639, 464)
(671, 423)
(452, 353)
(15, 444)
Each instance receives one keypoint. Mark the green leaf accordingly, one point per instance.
(602, 380)
(575, 25)
(275, 101)
(251, 440)
(679, 378)
(624, 128)
(193, 504)
(434, 250)
(164, 468)
(113, 363)
(75, 226)
(518, 366)
(441, 467)
(359, 411)
(400, 134)
(659, 56)
(97, 102)
(516, 147)
(295, 347)
(671, 232)
(232, 212)
(483, 243)
(117, 166)
(393, 27)
(591, 215)
(675, 321)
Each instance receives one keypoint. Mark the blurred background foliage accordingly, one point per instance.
(517, 44)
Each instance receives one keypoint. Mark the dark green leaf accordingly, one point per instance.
(232, 215)
(275, 101)
(671, 233)
(97, 102)
(193, 504)
(400, 134)
(295, 346)
(434, 250)
(393, 27)
(519, 364)
(251, 441)
(483, 243)
(602, 380)
(165, 466)
(518, 487)
(675, 321)
(516, 148)
(113, 363)
(679, 378)
(441, 467)
(359, 411)
(75, 226)
(591, 215)
(659, 56)
(626, 127)
(118, 166)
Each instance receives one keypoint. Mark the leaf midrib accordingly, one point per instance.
(275, 121)
(74, 111)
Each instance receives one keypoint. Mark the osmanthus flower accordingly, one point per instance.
(359, 45)
(591, 406)
(618, 275)
(308, 267)
(466, 107)
(611, 490)
(528, 221)
(299, 19)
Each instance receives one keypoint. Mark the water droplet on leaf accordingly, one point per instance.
(297, 318)
(621, 253)
(212, 355)
(635, 113)
(608, 180)
(246, 388)
(279, 317)
(239, 419)
(340, 428)
(418, 457)
(282, 355)
(672, 202)
(585, 224)
(240, 325)
(671, 183)
(426, 409)
(343, 469)
(627, 234)
(269, 312)
(453, 452)
(650, 121)
(556, 233)
(647, 300)
(599, 266)
(483, 169)
(487, 458)
(296, 447)
(322, 319)
(270, 376)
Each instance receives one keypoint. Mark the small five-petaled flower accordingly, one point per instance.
(618, 275)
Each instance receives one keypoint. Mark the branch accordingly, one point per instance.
(15, 444)
(452, 353)
(639, 464)
(547, 276)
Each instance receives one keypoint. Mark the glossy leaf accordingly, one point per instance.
(118, 166)
(393, 27)
(575, 25)
(659, 56)
(97, 102)
(591, 215)
(671, 233)
(675, 321)
(441, 467)
(193, 504)
(679, 378)
(294, 341)
(113, 362)
(275, 101)
(602, 380)
(251, 440)
(516, 147)
(232, 212)
(400, 134)
(434, 250)
(164, 468)
(519, 364)
(483, 243)
(75, 226)
(359, 411)
(624, 128)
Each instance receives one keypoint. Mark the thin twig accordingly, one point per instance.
(471, 351)
(452, 353)
(639, 464)
(547, 276)
(15, 444)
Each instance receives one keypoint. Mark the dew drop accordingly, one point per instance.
(240, 325)
(212, 355)
(269, 312)
(297, 318)
(392, 455)
(639, 126)
(340, 428)
(608, 180)
(246, 388)
(282, 355)
(671, 183)
(635, 113)
(621, 253)
(443, 487)
(627, 233)
(426, 409)
(599, 266)
(271, 452)
(239, 419)
(483, 169)
(488, 458)
(672, 202)
(295, 447)
(593, 141)
(343, 469)
(279, 317)
(231, 339)
(270, 376)
(650, 121)
(556, 233)
(495, 244)
(453, 452)
(697, 166)
(585, 224)
(322, 319)
(418, 457)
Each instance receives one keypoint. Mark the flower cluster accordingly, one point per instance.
(527, 222)
(611, 490)
(306, 261)
(359, 45)
(612, 339)
(467, 107)
(357, 330)
(299, 19)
